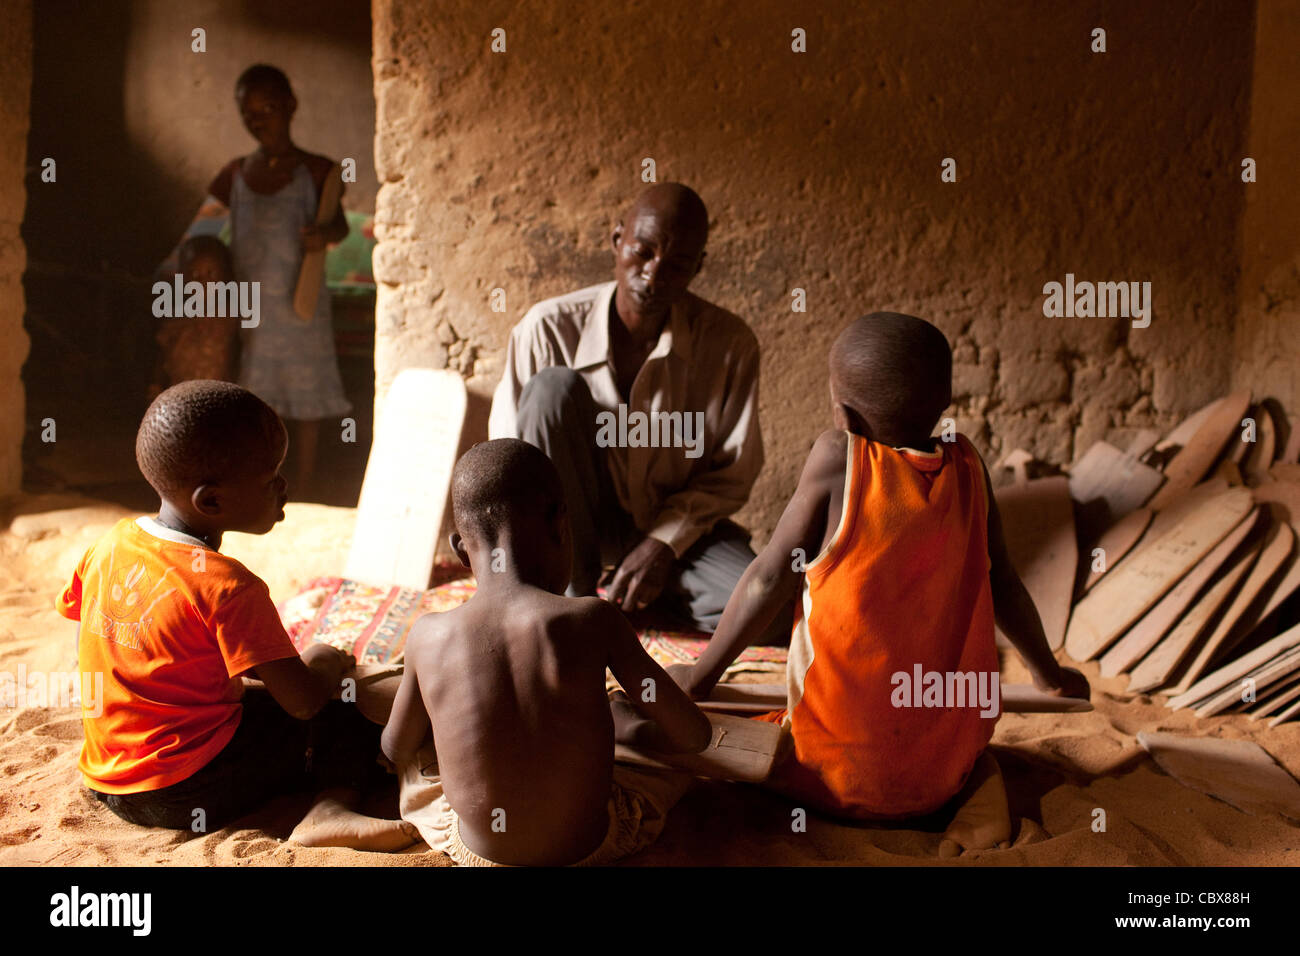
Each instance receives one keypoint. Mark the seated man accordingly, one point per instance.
(646, 399)
(512, 686)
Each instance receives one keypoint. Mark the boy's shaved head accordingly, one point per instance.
(264, 77)
(204, 432)
(895, 372)
(497, 482)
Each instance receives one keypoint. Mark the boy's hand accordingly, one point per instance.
(664, 719)
(687, 676)
(303, 684)
(628, 724)
(329, 663)
(347, 662)
(1069, 683)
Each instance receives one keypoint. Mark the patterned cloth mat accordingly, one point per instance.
(372, 623)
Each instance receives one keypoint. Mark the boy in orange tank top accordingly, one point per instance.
(893, 670)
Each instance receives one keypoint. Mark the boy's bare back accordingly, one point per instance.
(525, 738)
(511, 685)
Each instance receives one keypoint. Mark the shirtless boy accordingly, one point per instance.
(511, 685)
(910, 570)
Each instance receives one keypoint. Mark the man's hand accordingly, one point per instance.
(641, 575)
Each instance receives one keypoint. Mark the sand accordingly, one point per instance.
(1059, 769)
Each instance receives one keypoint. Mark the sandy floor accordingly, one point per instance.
(1059, 769)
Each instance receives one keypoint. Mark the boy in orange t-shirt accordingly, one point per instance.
(910, 572)
(172, 625)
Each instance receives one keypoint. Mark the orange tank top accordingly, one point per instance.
(893, 662)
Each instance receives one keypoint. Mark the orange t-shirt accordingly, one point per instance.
(170, 624)
(903, 588)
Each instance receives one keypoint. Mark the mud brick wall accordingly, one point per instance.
(1268, 326)
(822, 171)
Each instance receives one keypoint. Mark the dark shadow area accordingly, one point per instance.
(95, 235)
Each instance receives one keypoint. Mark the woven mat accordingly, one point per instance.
(372, 623)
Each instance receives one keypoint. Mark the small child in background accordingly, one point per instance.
(273, 195)
(510, 688)
(206, 346)
(910, 569)
(172, 625)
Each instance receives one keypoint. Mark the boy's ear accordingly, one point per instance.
(458, 546)
(846, 419)
(615, 237)
(206, 500)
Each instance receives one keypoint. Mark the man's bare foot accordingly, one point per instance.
(983, 820)
(331, 823)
